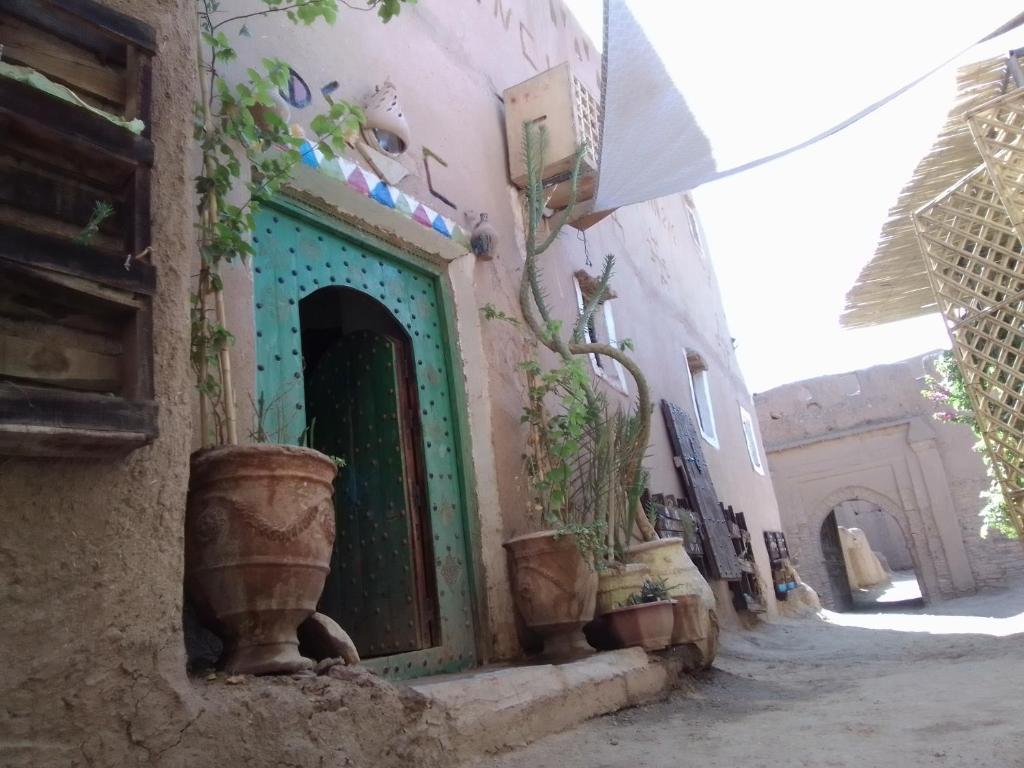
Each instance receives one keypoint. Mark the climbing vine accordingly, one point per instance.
(248, 152)
(948, 391)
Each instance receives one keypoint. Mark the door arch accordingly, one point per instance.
(299, 252)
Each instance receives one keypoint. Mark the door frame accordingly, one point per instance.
(294, 203)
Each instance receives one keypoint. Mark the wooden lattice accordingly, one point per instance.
(998, 130)
(976, 267)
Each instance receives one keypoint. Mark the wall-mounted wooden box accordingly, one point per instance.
(559, 101)
(76, 349)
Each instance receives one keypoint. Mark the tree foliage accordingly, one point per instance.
(948, 392)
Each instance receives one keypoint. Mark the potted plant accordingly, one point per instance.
(668, 562)
(646, 619)
(260, 521)
(586, 459)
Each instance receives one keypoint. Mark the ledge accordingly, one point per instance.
(505, 708)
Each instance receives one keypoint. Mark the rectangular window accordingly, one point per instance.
(601, 330)
(751, 437)
(700, 390)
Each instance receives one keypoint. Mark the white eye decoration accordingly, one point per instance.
(386, 128)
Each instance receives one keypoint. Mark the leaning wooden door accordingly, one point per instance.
(835, 564)
(378, 587)
(696, 479)
(299, 252)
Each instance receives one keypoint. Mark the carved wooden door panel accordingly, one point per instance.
(835, 565)
(693, 470)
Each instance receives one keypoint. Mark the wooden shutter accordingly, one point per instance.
(689, 460)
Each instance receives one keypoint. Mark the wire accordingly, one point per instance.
(1015, 22)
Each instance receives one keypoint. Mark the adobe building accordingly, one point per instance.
(91, 560)
(862, 449)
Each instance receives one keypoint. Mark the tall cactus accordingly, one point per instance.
(569, 346)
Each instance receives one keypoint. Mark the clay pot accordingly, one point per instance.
(259, 530)
(648, 625)
(555, 589)
(617, 582)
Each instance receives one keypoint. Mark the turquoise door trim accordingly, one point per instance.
(300, 251)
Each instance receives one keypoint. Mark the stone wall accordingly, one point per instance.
(870, 436)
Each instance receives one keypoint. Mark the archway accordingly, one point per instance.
(362, 407)
(875, 554)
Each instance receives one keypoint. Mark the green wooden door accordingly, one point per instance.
(298, 254)
(378, 587)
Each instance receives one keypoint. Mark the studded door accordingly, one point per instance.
(298, 253)
(378, 587)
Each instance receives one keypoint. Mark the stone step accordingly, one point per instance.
(493, 710)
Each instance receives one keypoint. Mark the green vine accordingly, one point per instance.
(248, 152)
(949, 392)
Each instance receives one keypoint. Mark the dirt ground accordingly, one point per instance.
(940, 686)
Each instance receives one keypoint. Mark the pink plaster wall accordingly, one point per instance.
(450, 64)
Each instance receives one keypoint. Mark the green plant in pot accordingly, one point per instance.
(585, 458)
(646, 619)
(260, 522)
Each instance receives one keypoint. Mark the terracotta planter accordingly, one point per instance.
(555, 589)
(258, 536)
(617, 583)
(648, 625)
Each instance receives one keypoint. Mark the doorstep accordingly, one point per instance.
(495, 709)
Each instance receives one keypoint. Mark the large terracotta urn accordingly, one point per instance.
(259, 530)
(617, 582)
(555, 589)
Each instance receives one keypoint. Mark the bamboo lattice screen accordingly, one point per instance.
(976, 268)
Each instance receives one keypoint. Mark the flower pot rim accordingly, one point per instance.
(626, 608)
(265, 449)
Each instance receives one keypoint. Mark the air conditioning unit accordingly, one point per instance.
(559, 101)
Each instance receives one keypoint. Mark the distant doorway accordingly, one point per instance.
(868, 558)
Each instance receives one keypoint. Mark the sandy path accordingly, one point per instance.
(939, 686)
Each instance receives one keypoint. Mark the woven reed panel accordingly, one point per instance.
(974, 262)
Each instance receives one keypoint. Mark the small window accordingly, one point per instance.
(751, 437)
(700, 389)
(601, 330)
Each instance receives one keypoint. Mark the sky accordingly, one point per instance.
(789, 238)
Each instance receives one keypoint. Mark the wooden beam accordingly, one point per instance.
(48, 361)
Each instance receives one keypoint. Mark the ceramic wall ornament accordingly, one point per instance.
(386, 128)
(484, 239)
